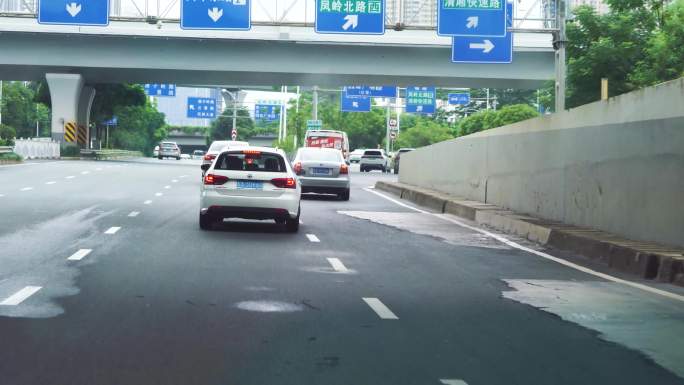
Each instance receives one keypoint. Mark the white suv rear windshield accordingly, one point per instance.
(256, 162)
(373, 153)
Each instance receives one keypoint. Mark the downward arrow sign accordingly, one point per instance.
(73, 9)
(352, 21)
(486, 46)
(473, 22)
(215, 14)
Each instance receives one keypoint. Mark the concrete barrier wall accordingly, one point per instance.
(616, 166)
(37, 148)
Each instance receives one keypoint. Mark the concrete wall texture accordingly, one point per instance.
(616, 165)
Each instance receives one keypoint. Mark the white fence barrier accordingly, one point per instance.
(39, 148)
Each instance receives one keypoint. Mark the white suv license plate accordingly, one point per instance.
(250, 185)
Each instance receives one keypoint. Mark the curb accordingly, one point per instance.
(4, 162)
(644, 259)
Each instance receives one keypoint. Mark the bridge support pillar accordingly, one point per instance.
(84, 104)
(65, 93)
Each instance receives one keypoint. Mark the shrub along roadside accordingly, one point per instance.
(10, 157)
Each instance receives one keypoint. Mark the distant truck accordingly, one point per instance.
(328, 139)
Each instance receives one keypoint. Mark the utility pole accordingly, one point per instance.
(314, 107)
(560, 41)
(0, 101)
(37, 124)
(296, 136)
(387, 127)
(283, 113)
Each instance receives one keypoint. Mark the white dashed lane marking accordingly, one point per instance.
(380, 309)
(158, 194)
(134, 214)
(26, 189)
(77, 256)
(112, 230)
(51, 182)
(20, 296)
(313, 238)
(167, 187)
(98, 169)
(174, 181)
(453, 382)
(69, 177)
(85, 172)
(337, 265)
(147, 202)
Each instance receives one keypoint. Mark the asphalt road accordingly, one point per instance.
(368, 292)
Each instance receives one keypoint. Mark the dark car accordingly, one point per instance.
(397, 158)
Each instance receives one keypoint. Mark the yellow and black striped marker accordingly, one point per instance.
(82, 135)
(70, 132)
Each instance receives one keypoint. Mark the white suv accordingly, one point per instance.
(250, 183)
(374, 160)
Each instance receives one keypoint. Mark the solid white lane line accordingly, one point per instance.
(337, 265)
(85, 172)
(542, 254)
(158, 194)
(51, 182)
(453, 382)
(77, 256)
(147, 202)
(313, 238)
(20, 296)
(167, 187)
(26, 189)
(397, 202)
(134, 214)
(112, 230)
(69, 177)
(380, 309)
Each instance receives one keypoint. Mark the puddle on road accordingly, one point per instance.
(642, 321)
(269, 306)
(425, 224)
(37, 256)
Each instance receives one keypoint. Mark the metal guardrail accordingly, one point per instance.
(109, 154)
(6, 149)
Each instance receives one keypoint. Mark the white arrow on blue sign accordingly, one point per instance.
(354, 103)
(485, 18)
(74, 12)
(365, 17)
(485, 50)
(213, 14)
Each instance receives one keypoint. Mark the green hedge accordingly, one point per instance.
(70, 151)
(10, 156)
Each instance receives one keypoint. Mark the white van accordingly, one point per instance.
(328, 139)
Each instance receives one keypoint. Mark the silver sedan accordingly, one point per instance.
(322, 171)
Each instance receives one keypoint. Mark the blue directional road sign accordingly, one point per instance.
(372, 91)
(421, 100)
(78, 12)
(266, 112)
(489, 50)
(202, 108)
(154, 89)
(112, 122)
(355, 104)
(485, 18)
(366, 17)
(216, 14)
(460, 98)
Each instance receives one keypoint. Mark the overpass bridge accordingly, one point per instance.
(147, 47)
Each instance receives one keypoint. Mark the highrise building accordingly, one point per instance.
(412, 12)
(600, 6)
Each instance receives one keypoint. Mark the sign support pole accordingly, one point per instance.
(314, 108)
(387, 127)
(559, 45)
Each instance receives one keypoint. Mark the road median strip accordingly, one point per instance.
(644, 259)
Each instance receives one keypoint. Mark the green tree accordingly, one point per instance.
(477, 122)
(139, 128)
(424, 133)
(513, 114)
(222, 127)
(664, 52)
(605, 46)
(7, 133)
(20, 111)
